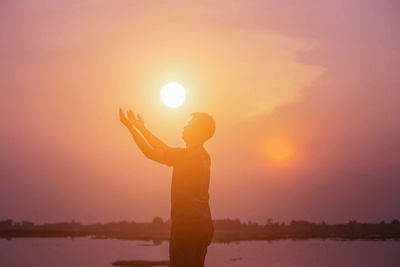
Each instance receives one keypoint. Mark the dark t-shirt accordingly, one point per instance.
(190, 183)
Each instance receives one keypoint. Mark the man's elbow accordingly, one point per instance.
(150, 154)
(153, 154)
(147, 154)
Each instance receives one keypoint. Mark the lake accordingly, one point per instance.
(84, 252)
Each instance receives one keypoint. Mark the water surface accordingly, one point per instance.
(84, 252)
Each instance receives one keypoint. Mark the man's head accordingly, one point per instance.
(199, 129)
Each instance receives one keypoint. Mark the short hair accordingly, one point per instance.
(206, 122)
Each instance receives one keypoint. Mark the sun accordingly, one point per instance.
(173, 95)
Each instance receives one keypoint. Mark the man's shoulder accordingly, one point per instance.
(189, 153)
(201, 151)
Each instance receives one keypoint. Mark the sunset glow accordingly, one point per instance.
(304, 96)
(278, 150)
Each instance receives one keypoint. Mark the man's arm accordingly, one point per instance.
(149, 151)
(152, 139)
(138, 122)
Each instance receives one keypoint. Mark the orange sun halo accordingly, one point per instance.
(278, 150)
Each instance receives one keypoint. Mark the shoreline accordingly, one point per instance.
(221, 237)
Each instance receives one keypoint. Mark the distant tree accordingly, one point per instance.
(157, 221)
(26, 224)
(6, 224)
(395, 222)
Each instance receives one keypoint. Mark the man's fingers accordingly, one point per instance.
(140, 117)
(122, 117)
(131, 116)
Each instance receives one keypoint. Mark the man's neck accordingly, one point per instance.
(194, 145)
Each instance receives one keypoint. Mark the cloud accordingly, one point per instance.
(344, 129)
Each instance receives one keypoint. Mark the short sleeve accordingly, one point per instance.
(172, 156)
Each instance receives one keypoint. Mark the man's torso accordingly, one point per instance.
(189, 189)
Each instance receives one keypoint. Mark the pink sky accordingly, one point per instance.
(322, 78)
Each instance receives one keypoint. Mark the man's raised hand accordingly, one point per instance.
(135, 121)
(125, 121)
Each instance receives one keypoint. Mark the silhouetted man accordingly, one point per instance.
(191, 225)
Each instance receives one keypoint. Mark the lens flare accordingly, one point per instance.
(278, 149)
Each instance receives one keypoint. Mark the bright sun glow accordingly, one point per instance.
(173, 95)
(278, 150)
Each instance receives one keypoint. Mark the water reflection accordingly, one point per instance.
(63, 252)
